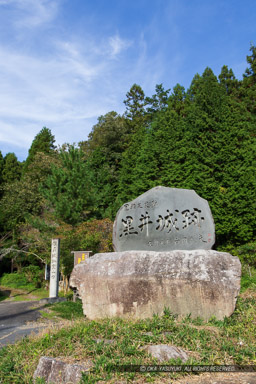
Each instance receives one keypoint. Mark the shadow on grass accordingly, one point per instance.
(25, 293)
(22, 314)
(4, 294)
(10, 293)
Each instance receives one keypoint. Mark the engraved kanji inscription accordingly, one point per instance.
(167, 222)
(128, 229)
(145, 221)
(164, 219)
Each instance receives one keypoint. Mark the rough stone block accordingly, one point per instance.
(43, 369)
(203, 283)
(58, 372)
(164, 352)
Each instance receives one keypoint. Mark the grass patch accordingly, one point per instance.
(16, 280)
(66, 310)
(22, 294)
(34, 294)
(248, 278)
(231, 341)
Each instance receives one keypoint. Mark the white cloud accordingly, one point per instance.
(11, 134)
(78, 64)
(66, 91)
(70, 82)
(117, 45)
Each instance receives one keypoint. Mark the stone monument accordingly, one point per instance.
(164, 219)
(162, 259)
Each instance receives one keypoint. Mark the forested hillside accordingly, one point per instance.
(202, 138)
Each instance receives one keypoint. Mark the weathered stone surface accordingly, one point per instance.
(140, 283)
(164, 219)
(56, 375)
(73, 373)
(58, 372)
(164, 352)
(43, 369)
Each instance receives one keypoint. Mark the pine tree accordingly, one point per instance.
(68, 188)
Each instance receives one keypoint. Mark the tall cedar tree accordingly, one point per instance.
(11, 168)
(107, 141)
(43, 142)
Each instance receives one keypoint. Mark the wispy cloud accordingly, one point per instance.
(117, 45)
(64, 63)
(63, 81)
(63, 92)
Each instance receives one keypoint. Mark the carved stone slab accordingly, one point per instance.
(164, 219)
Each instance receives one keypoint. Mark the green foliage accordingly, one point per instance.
(135, 102)
(16, 280)
(107, 141)
(127, 185)
(68, 188)
(246, 252)
(159, 101)
(94, 236)
(43, 142)
(228, 80)
(11, 168)
(202, 138)
(109, 134)
(20, 198)
(68, 310)
(1, 168)
(248, 279)
(202, 141)
(34, 275)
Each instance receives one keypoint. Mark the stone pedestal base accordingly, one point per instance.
(140, 283)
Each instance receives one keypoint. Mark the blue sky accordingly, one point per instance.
(63, 63)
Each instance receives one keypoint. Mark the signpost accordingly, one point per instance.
(80, 256)
(54, 274)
